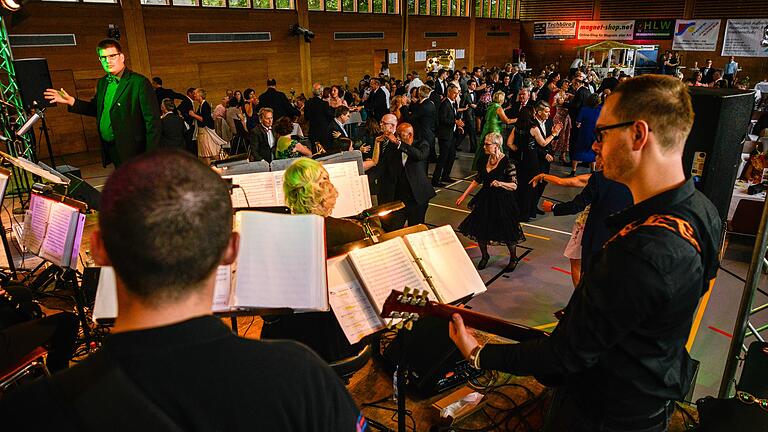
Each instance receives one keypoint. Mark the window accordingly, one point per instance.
(156, 2)
(261, 4)
(315, 5)
(100, 1)
(391, 6)
(433, 7)
(348, 5)
(423, 7)
(238, 3)
(331, 5)
(214, 3)
(378, 6)
(185, 2)
(362, 6)
(283, 4)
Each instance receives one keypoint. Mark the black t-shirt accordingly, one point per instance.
(196, 375)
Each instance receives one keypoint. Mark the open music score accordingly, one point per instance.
(53, 230)
(265, 189)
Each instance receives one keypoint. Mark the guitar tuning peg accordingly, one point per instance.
(414, 316)
(394, 314)
(409, 325)
(399, 325)
(406, 291)
(424, 298)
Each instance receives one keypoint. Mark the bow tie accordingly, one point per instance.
(268, 129)
(112, 79)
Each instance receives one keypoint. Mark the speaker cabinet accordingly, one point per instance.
(713, 148)
(33, 77)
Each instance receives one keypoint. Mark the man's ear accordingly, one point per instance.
(640, 131)
(98, 251)
(230, 252)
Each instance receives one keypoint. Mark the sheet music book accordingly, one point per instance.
(281, 264)
(35, 169)
(265, 189)
(356, 315)
(53, 230)
(432, 260)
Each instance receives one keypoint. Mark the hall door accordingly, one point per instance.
(378, 57)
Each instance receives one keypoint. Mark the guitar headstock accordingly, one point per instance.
(404, 307)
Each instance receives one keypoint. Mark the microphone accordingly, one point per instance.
(30, 122)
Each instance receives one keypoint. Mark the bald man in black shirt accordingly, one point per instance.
(169, 365)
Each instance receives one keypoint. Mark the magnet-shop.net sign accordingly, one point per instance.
(606, 30)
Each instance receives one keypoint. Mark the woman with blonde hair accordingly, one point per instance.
(494, 120)
(495, 216)
(398, 103)
(308, 190)
(209, 145)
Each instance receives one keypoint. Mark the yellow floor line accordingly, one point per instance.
(546, 326)
(699, 315)
(536, 236)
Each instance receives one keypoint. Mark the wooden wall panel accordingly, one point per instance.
(622, 9)
(555, 9)
(418, 42)
(724, 9)
(495, 50)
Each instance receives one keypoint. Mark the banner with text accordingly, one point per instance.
(696, 35)
(746, 38)
(606, 30)
(654, 29)
(554, 30)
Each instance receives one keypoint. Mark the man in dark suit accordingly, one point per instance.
(277, 100)
(164, 93)
(186, 105)
(580, 95)
(707, 72)
(424, 120)
(609, 83)
(468, 106)
(440, 91)
(376, 104)
(505, 85)
(515, 79)
(125, 107)
(262, 142)
(403, 175)
(318, 114)
(448, 124)
(337, 139)
(172, 127)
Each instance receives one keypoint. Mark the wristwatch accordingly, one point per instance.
(474, 357)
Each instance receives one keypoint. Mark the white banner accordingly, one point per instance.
(696, 35)
(746, 38)
(554, 30)
(607, 30)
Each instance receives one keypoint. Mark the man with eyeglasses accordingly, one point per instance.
(619, 353)
(125, 107)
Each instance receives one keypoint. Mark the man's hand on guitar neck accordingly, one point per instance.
(461, 336)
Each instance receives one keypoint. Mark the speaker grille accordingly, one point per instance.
(229, 37)
(357, 35)
(498, 34)
(428, 35)
(42, 40)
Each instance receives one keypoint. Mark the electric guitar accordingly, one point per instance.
(405, 307)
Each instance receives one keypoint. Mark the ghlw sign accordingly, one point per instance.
(654, 29)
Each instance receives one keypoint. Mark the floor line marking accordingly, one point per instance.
(561, 270)
(545, 326)
(456, 182)
(545, 228)
(717, 330)
(699, 315)
(537, 236)
(450, 208)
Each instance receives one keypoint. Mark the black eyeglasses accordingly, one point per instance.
(108, 57)
(599, 131)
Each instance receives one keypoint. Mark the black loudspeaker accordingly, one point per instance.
(79, 189)
(754, 375)
(33, 77)
(713, 148)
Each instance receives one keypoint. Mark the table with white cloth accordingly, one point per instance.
(740, 193)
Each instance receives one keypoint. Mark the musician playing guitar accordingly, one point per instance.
(619, 352)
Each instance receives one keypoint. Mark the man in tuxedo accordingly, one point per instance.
(337, 139)
(424, 120)
(505, 86)
(262, 142)
(522, 108)
(188, 104)
(318, 114)
(376, 104)
(516, 79)
(610, 82)
(468, 106)
(125, 107)
(448, 124)
(164, 93)
(277, 100)
(580, 96)
(403, 167)
(172, 127)
(441, 87)
(707, 72)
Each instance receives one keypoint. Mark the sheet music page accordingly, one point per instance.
(3, 183)
(281, 261)
(221, 291)
(342, 170)
(279, 193)
(77, 241)
(355, 313)
(105, 306)
(445, 260)
(34, 232)
(256, 190)
(56, 247)
(387, 266)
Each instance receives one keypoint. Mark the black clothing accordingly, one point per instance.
(544, 94)
(278, 101)
(608, 83)
(164, 93)
(318, 114)
(407, 183)
(533, 162)
(424, 121)
(468, 116)
(204, 111)
(211, 389)
(495, 217)
(707, 75)
(134, 115)
(516, 83)
(605, 197)
(762, 123)
(259, 148)
(446, 140)
(184, 108)
(320, 331)
(620, 348)
(336, 145)
(172, 131)
(19, 337)
(376, 104)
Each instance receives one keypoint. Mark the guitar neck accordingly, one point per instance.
(486, 323)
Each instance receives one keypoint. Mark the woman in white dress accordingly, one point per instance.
(209, 145)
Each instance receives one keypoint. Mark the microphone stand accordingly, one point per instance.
(39, 114)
